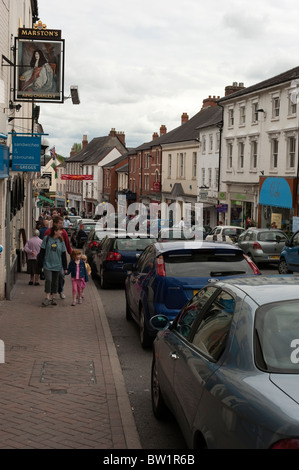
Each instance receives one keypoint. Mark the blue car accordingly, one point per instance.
(115, 250)
(227, 367)
(168, 274)
(289, 256)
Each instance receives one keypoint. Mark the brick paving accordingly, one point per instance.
(61, 382)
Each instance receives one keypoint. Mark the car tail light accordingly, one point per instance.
(286, 444)
(253, 266)
(257, 246)
(93, 244)
(113, 256)
(160, 266)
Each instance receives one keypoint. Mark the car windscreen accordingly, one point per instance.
(232, 231)
(205, 262)
(132, 244)
(87, 227)
(277, 337)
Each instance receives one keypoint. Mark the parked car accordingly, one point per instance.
(175, 233)
(289, 256)
(168, 274)
(263, 245)
(228, 233)
(80, 234)
(114, 252)
(227, 367)
(92, 244)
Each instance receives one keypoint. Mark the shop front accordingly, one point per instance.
(277, 202)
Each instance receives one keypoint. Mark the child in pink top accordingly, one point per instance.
(78, 272)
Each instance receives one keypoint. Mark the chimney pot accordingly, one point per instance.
(163, 129)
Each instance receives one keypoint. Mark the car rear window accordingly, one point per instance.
(271, 236)
(202, 263)
(277, 337)
(132, 244)
(87, 227)
(232, 231)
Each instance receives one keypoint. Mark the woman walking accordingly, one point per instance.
(53, 251)
(32, 248)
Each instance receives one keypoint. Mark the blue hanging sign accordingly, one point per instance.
(26, 153)
(4, 161)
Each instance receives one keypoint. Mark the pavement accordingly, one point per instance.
(61, 384)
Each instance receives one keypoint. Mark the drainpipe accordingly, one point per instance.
(220, 127)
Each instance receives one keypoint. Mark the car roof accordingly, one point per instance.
(163, 247)
(228, 226)
(265, 288)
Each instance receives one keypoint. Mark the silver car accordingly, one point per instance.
(228, 366)
(263, 245)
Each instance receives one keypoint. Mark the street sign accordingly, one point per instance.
(43, 183)
(203, 194)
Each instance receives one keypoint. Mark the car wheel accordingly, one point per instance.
(128, 311)
(283, 267)
(145, 338)
(158, 405)
(103, 282)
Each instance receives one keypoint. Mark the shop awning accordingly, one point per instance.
(43, 198)
(276, 192)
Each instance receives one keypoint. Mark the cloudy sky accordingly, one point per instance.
(141, 64)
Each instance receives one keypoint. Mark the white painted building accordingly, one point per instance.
(259, 157)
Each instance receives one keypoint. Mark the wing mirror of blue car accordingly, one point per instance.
(159, 322)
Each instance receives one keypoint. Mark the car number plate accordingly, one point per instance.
(274, 257)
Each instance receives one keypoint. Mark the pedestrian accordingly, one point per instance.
(273, 225)
(58, 221)
(248, 222)
(32, 248)
(181, 223)
(53, 251)
(88, 269)
(78, 272)
(66, 224)
(44, 228)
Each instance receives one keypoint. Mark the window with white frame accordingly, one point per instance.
(146, 161)
(210, 177)
(140, 181)
(231, 119)
(255, 114)
(194, 165)
(275, 107)
(242, 115)
(181, 165)
(204, 144)
(291, 152)
(229, 155)
(157, 156)
(146, 182)
(217, 141)
(253, 154)
(216, 177)
(241, 149)
(274, 154)
(169, 165)
(211, 143)
(203, 176)
(292, 98)
(140, 160)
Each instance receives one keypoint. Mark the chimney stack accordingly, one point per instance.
(184, 118)
(210, 101)
(233, 88)
(155, 135)
(163, 129)
(84, 141)
(120, 135)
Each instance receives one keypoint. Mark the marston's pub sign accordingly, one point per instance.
(39, 64)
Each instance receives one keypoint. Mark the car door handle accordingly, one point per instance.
(173, 355)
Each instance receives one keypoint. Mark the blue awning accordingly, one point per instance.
(276, 192)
